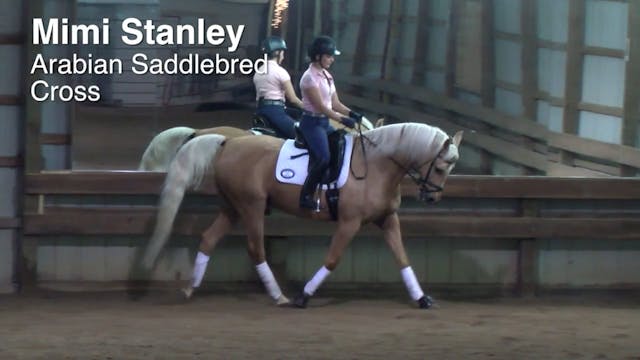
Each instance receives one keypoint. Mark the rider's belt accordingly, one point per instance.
(312, 114)
(265, 102)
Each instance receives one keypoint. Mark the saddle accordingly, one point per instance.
(263, 126)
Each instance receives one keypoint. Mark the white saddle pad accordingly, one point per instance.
(294, 171)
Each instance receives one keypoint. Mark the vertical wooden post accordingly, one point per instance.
(529, 62)
(326, 26)
(632, 83)
(527, 279)
(391, 44)
(272, 4)
(317, 17)
(488, 80)
(361, 42)
(299, 48)
(451, 57)
(421, 56)
(33, 155)
(573, 82)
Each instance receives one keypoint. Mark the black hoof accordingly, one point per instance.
(301, 301)
(425, 302)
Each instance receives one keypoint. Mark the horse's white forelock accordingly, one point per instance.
(415, 142)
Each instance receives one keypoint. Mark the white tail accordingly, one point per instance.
(163, 147)
(186, 172)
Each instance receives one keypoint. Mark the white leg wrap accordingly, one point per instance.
(264, 271)
(316, 280)
(199, 268)
(411, 283)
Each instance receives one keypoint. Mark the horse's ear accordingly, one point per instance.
(380, 122)
(457, 138)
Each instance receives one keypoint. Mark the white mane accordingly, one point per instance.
(414, 143)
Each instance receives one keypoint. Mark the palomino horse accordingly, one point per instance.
(241, 170)
(164, 146)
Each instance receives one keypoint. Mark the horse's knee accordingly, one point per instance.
(206, 246)
(256, 252)
(331, 263)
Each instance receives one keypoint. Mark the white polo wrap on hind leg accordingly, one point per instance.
(199, 268)
(410, 281)
(269, 281)
(316, 280)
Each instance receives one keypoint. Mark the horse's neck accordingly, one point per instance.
(392, 164)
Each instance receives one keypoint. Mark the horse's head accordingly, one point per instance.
(431, 181)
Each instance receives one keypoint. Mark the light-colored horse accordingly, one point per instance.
(241, 170)
(164, 146)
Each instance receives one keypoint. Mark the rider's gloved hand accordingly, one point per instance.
(354, 115)
(348, 122)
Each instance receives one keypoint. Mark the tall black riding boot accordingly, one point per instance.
(310, 185)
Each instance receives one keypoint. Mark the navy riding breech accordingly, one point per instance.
(315, 130)
(281, 122)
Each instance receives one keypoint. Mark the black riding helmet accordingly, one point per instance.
(322, 45)
(271, 44)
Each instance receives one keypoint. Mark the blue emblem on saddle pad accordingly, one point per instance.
(287, 173)
(292, 165)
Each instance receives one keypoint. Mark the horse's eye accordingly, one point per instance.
(439, 171)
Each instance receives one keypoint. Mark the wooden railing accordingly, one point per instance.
(524, 209)
(517, 221)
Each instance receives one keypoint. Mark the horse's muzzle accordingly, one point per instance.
(429, 197)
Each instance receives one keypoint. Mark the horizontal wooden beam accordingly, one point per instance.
(96, 182)
(601, 109)
(520, 126)
(12, 39)
(499, 147)
(602, 51)
(492, 117)
(140, 223)
(10, 223)
(10, 161)
(622, 154)
(10, 100)
(55, 139)
(531, 187)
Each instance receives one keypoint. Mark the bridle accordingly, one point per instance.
(425, 185)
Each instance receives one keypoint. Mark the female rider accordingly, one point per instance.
(272, 86)
(320, 102)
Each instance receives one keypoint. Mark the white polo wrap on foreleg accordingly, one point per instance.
(199, 268)
(269, 281)
(410, 281)
(316, 281)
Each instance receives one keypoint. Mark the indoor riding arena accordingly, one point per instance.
(528, 249)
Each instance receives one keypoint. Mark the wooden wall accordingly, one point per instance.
(517, 234)
(567, 66)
